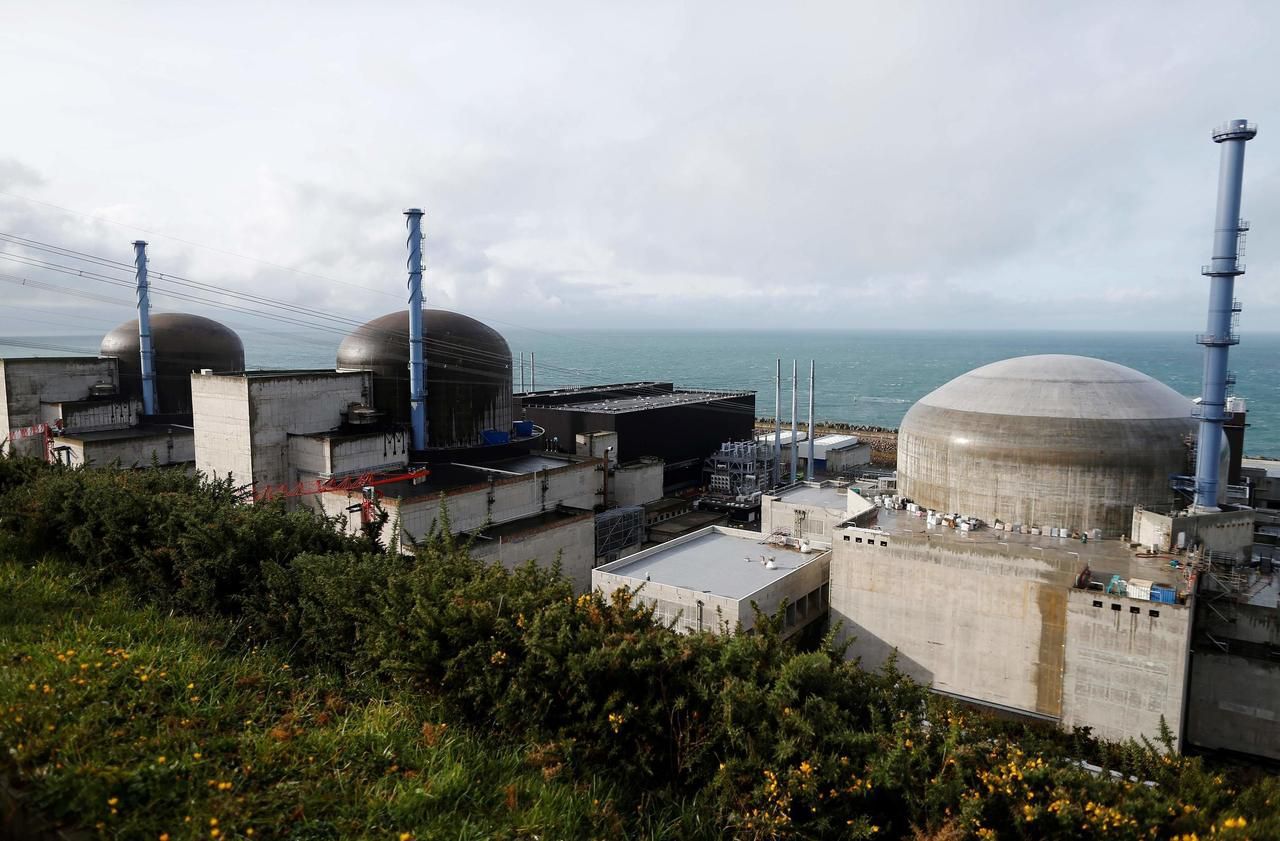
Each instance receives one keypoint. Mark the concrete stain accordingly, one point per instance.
(1050, 662)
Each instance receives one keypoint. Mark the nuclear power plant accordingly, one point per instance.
(1064, 538)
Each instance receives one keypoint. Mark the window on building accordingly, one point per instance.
(791, 615)
(1153, 613)
(1115, 607)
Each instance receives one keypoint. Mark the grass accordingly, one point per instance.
(142, 725)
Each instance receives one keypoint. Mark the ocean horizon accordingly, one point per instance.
(864, 375)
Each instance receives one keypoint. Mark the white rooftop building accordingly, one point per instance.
(716, 578)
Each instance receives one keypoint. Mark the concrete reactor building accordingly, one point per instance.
(1046, 441)
(1048, 553)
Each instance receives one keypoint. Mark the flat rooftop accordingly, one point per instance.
(619, 405)
(724, 562)
(827, 496)
(1106, 556)
(145, 430)
(1269, 465)
(451, 476)
(533, 522)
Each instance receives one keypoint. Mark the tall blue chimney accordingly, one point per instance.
(417, 339)
(1220, 335)
(144, 329)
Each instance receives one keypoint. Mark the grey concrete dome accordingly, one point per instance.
(182, 343)
(468, 373)
(1049, 441)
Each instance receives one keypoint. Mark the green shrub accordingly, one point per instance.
(739, 734)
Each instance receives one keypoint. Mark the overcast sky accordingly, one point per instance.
(888, 164)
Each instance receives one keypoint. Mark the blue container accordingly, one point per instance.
(494, 436)
(1163, 594)
(523, 428)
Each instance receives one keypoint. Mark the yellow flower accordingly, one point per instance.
(213, 821)
(161, 759)
(144, 677)
(113, 801)
(404, 836)
(195, 755)
(164, 836)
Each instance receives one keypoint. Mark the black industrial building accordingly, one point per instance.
(680, 426)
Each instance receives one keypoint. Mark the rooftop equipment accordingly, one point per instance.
(1229, 229)
(417, 363)
(144, 330)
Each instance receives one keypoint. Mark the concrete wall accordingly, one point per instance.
(1234, 698)
(26, 383)
(1224, 532)
(845, 459)
(971, 621)
(636, 483)
(1234, 704)
(93, 415)
(1126, 665)
(680, 606)
(594, 445)
(817, 524)
(350, 455)
(223, 443)
(307, 402)
(572, 541)
(243, 422)
(162, 447)
(675, 605)
(806, 590)
(576, 485)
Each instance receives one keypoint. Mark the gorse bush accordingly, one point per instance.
(765, 740)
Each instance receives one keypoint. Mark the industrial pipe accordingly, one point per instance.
(144, 329)
(1219, 336)
(808, 469)
(777, 426)
(795, 446)
(417, 339)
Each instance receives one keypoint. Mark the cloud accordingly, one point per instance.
(994, 165)
(15, 175)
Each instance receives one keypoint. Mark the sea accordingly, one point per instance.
(863, 376)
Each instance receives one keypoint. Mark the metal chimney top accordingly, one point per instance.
(1235, 130)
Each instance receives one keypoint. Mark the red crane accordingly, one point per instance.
(366, 483)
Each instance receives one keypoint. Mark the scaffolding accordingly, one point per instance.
(740, 469)
(619, 528)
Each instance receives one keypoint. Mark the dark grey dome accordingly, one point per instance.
(1050, 441)
(182, 343)
(468, 373)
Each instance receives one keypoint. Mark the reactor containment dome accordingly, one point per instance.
(468, 374)
(182, 344)
(1049, 441)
